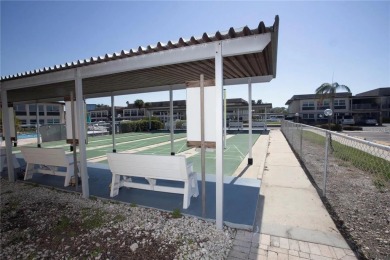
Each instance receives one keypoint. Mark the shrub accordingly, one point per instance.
(140, 125)
(333, 127)
(180, 123)
(176, 213)
(352, 128)
(386, 120)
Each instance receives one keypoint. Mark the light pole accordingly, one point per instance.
(328, 112)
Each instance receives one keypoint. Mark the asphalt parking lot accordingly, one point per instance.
(377, 134)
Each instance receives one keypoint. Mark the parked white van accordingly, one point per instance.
(347, 120)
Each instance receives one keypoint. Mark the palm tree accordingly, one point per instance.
(327, 90)
(139, 103)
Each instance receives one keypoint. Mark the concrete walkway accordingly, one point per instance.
(291, 222)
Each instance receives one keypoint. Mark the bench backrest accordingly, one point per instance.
(235, 124)
(153, 166)
(46, 156)
(258, 124)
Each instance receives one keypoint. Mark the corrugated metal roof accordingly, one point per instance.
(246, 66)
(173, 75)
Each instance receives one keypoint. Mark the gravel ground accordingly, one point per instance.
(43, 223)
(358, 207)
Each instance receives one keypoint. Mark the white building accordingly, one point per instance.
(48, 113)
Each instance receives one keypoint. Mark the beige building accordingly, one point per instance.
(46, 113)
(311, 108)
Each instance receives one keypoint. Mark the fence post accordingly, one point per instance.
(292, 135)
(325, 164)
(300, 142)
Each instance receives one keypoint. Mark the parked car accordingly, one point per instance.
(370, 121)
(347, 120)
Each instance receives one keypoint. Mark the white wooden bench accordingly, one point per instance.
(152, 168)
(48, 159)
(234, 125)
(259, 125)
(3, 159)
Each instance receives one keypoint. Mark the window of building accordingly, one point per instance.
(53, 110)
(308, 116)
(32, 109)
(20, 110)
(308, 105)
(323, 104)
(126, 112)
(339, 104)
(53, 121)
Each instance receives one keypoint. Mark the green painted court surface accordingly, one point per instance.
(159, 144)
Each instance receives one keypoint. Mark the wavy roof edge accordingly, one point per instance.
(205, 38)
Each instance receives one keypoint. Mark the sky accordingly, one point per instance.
(340, 41)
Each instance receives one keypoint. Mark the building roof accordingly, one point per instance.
(248, 53)
(375, 93)
(315, 96)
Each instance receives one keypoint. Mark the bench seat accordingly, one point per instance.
(48, 161)
(153, 167)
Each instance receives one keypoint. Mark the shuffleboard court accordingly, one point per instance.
(159, 144)
(235, 152)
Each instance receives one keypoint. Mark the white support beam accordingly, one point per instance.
(224, 119)
(245, 45)
(138, 91)
(113, 124)
(250, 159)
(241, 81)
(218, 134)
(42, 79)
(82, 134)
(231, 47)
(171, 119)
(7, 135)
(38, 125)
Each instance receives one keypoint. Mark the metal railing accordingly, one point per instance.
(329, 156)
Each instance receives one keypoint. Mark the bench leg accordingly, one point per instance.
(16, 163)
(2, 163)
(29, 171)
(68, 175)
(187, 195)
(115, 183)
(194, 185)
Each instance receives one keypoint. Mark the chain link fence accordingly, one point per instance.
(332, 157)
(353, 176)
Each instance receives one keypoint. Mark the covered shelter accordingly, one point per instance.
(236, 56)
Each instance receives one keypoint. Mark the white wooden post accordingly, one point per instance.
(37, 128)
(250, 159)
(113, 124)
(224, 119)
(171, 118)
(82, 134)
(202, 146)
(7, 133)
(218, 134)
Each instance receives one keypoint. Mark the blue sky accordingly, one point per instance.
(350, 40)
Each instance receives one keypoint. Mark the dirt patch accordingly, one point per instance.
(360, 208)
